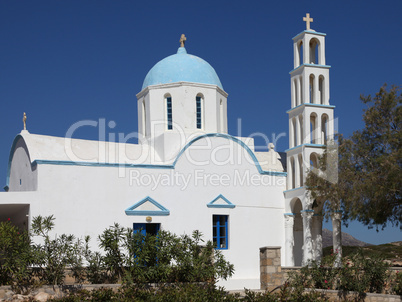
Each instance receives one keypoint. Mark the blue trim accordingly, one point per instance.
(220, 196)
(236, 140)
(306, 145)
(290, 214)
(309, 32)
(308, 211)
(163, 211)
(95, 164)
(294, 189)
(311, 105)
(310, 65)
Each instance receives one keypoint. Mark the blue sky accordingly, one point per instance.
(65, 61)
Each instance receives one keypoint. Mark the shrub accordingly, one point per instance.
(357, 273)
(396, 284)
(16, 256)
(55, 255)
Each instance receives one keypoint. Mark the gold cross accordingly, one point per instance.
(24, 120)
(182, 40)
(308, 20)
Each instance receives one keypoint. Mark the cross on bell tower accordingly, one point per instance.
(307, 19)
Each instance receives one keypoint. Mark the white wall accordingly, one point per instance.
(86, 200)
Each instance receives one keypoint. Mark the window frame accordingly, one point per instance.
(217, 239)
(198, 110)
(169, 113)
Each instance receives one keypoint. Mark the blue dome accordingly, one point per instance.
(182, 67)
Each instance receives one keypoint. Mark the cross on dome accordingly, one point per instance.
(182, 40)
(307, 19)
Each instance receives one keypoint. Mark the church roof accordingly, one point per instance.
(61, 149)
(182, 67)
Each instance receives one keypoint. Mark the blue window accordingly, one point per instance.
(198, 107)
(169, 113)
(220, 231)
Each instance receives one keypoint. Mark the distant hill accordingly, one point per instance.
(347, 239)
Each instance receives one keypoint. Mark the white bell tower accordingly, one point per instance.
(311, 126)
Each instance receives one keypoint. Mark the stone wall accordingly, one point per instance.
(271, 275)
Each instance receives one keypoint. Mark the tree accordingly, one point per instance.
(369, 166)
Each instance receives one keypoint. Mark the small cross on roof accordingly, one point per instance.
(182, 40)
(307, 19)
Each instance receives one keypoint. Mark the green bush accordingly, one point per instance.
(55, 255)
(357, 273)
(165, 258)
(396, 284)
(16, 255)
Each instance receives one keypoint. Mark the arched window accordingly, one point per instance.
(314, 51)
(301, 131)
(301, 99)
(324, 128)
(221, 116)
(300, 52)
(144, 118)
(294, 93)
(313, 161)
(312, 92)
(313, 128)
(294, 132)
(169, 112)
(321, 89)
(293, 173)
(301, 170)
(199, 101)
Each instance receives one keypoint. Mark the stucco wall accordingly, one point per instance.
(87, 199)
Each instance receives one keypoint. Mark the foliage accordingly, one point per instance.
(396, 284)
(55, 255)
(357, 273)
(389, 251)
(144, 258)
(369, 167)
(112, 242)
(16, 256)
(195, 292)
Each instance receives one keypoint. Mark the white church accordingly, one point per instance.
(186, 172)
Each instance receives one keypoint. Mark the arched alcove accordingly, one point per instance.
(301, 99)
(312, 88)
(296, 206)
(300, 53)
(293, 173)
(301, 131)
(313, 128)
(314, 51)
(324, 128)
(321, 90)
(313, 160)
(300, 160)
